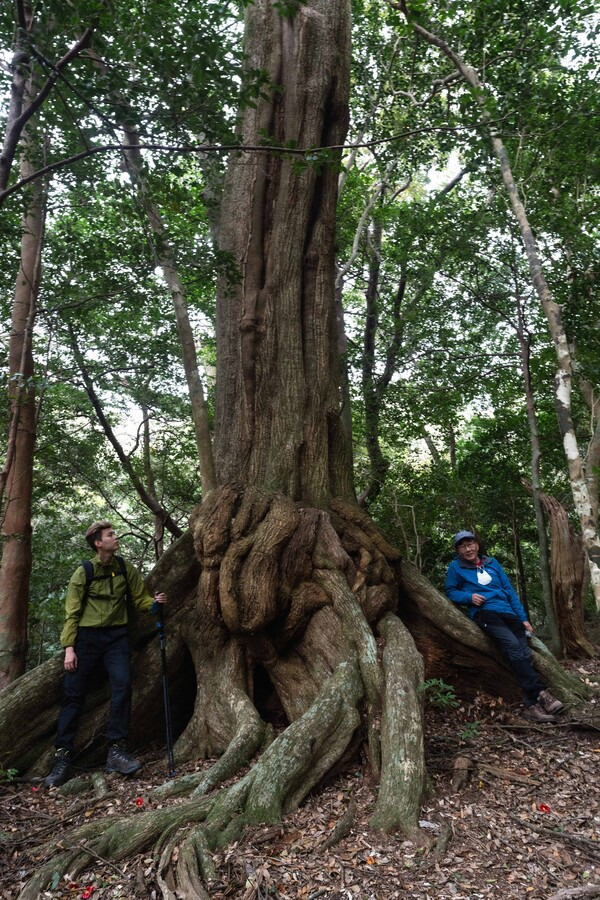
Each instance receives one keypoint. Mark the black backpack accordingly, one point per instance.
(88, 568)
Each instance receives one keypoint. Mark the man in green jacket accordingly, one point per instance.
(96, 629)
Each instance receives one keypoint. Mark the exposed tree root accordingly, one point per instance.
(403, 778)
(194, 866)
(342, 828)
(455, 648)
(289, 600)
(248, 737)
(290, 767)
(110, 838)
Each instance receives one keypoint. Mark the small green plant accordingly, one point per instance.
(440, 694)
(470, 731)
(7, 775)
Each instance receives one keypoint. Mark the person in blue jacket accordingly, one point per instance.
(480, 584)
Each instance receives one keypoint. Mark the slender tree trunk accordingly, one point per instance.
(346, 408)
(564, 375)
(452, 447)
(540, 519)
(166, 261)
(21, 109)
(159, 528)
(374, 386)
(144, 493)
(372, 403)
(15, 571)
(19, 65)
(520, 568)
(341, 272)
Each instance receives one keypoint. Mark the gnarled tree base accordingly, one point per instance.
(300, 614)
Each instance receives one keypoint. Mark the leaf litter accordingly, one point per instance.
(524, 823)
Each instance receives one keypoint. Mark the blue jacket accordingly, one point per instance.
(500, 596)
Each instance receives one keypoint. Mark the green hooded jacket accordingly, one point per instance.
(106, 602)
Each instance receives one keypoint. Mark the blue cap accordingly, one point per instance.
(462, 536)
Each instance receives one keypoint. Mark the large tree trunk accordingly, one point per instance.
(278, 422)
(568, 581)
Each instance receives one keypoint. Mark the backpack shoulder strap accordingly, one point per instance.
(88, 568)
(123, 568)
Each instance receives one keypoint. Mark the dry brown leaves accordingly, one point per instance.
(525, 825)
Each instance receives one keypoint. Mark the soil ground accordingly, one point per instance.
(525, 824)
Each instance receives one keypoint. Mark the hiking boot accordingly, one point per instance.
(537, 714)
(549, 703)
(119, 760)
(61, 768)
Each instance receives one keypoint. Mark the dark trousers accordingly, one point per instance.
(111, 645)
(509, 633)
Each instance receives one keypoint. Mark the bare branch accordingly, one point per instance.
(309, 152)
(19, 117)
(150, 501)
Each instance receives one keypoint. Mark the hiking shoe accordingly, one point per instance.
(549, 703)
(61, 768)
(537, 714)
(119, 760)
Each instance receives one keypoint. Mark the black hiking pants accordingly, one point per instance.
(509, 632)
(111, 646)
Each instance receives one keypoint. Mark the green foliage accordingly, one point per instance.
(7, 775)
(450, 422)
(442, 380)
(470, 731)
(440, 694)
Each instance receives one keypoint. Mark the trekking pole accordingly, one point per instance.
(165, 684)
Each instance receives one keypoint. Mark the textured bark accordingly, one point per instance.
(568, 569)
(402, 741)
(277, 418)
(149, 475)
(592, 457)
(15, 571)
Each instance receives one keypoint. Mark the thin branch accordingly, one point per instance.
(150, 501)
(362, 222)
(309, 152)
(15, 129)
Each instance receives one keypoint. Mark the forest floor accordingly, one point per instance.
(526, 824)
